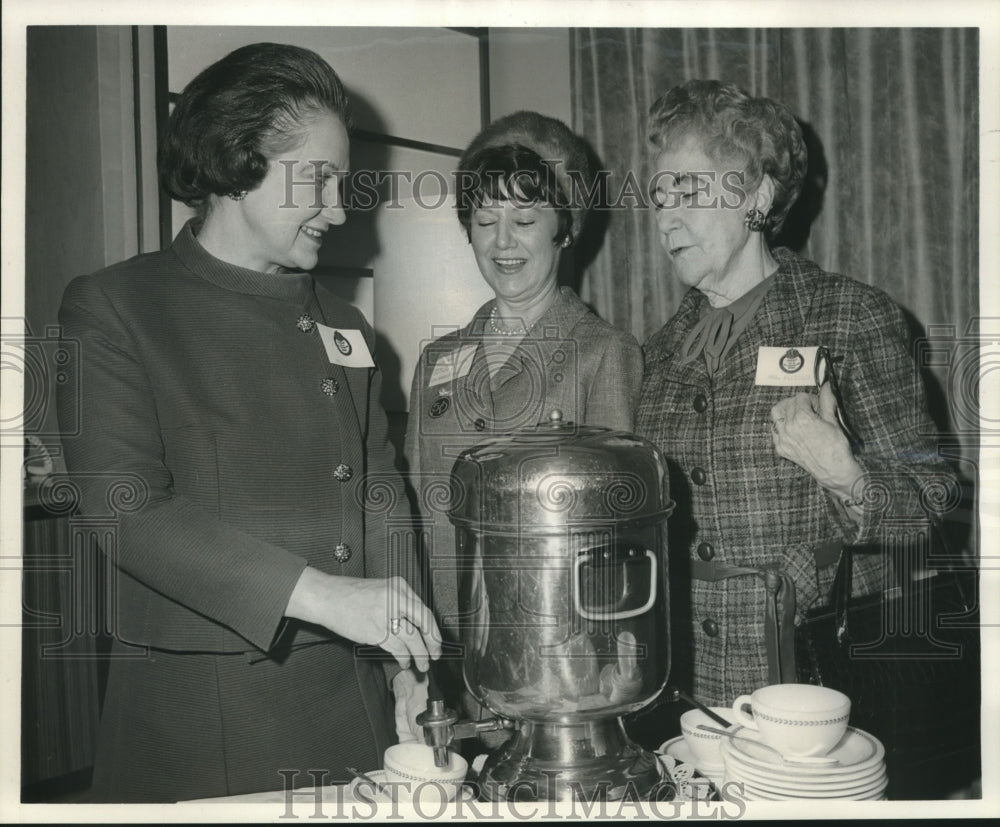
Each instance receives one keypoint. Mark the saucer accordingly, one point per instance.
(361, 790)
(857, 751)
(817, 783)
(772, 794)
(777, 788)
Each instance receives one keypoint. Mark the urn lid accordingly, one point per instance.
(556, 476)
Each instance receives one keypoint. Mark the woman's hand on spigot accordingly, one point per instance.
(382, 612)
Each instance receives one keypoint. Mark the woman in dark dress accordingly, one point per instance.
(230, 428)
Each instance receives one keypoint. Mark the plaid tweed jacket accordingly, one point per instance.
(738, 502)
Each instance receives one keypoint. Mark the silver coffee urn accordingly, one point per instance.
(563, 606)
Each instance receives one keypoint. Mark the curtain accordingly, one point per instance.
(890, 118)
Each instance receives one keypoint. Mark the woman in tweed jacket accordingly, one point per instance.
(229, 431)
(771, 477)
(533, 349)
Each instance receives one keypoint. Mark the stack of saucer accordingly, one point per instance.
(859, 772)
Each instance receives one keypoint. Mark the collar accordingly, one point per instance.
(293, 286)
(718, 328)
(545, 339)
(779, 319)
(783, 313)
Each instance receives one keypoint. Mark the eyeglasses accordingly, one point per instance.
(823, 373)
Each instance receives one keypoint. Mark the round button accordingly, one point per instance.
(480, 424)
(343, 472)
(698, 476)
(342, 552)
(710, 627)
(700, 403)
(330, 386)
(705, 551)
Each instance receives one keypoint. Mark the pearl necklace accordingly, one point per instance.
(495, 327)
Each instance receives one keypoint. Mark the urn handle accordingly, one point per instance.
(616, 576)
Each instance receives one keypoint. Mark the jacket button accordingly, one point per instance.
(480, 424)
(700, 403)
(698, 476)
(330, 386)
(705, 551)
(305, 323)
(342, 552)
(342, 473)
(710, 627)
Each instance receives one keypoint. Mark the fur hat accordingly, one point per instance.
(555, 142)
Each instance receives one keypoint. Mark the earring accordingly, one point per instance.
(755, 220)
(566, 242)
(238, 195)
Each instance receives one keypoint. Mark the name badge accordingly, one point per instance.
(347, 348)
(452, 365)
(786, 366)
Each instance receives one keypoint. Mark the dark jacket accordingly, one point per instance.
(209, 434)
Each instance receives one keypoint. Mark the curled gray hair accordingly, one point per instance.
(732, 125)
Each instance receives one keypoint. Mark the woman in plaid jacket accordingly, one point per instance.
(771, 476)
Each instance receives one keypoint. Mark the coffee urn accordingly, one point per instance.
(563, 604)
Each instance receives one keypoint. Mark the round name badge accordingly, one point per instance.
(792, 361)
(342, 344)
(439, 406)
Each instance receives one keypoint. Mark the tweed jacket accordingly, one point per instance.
(738, 503)
(571, 361)
(210, 427)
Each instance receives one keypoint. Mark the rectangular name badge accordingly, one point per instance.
(347, 348)
(786, 366)
(453, 365)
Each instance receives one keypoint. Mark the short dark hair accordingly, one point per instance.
(733, 126)
(513, 172)
(238, 114)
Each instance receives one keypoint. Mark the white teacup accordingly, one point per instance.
(705, 746)
(411, 773)
(796, 718)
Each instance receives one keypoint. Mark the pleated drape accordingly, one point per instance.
(891, 121)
